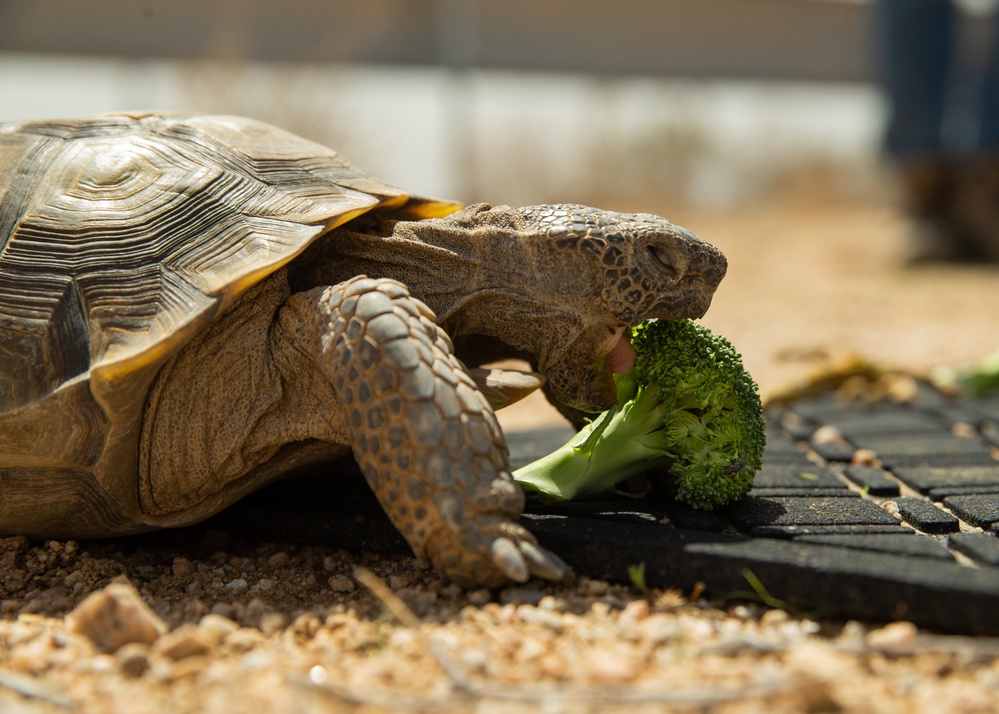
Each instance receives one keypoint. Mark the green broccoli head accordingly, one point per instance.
(711, 411)
(688, 406)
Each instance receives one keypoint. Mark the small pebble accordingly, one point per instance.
(318, 675)
(133, 659)
(31, 656)
(182, 567)
(865, 457)
(818, 660)
(635, 611)
(895, 634)
(605, 666)
(696, 631)
(341, 584)
(254, 611)
(538, 616)
(245, 639)
(307, 625)
(852, 635)
(659, 629)
(271, 622)
(185, 641)
(258, 660)
(401, 638)
(521, 596)
(263, 585)
(963, 430)
(474, 658)
(398, 582)
(278, 559)
(827, 435)
(188, 667)
(223, 609)
(773, 617)
(531, 648)
(236, 585)
(551, 604)
(115, 616)
(215, 628)
(479, 597)
(741, 612)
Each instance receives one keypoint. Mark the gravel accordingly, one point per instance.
(127, 626)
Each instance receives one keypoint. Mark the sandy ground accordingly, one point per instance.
(208, 624)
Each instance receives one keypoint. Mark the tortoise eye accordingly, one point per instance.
(663, 259)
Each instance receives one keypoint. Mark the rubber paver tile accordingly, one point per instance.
(800, 474)
(924, 478)
(875, 480)
(981, 511)
(980, 547)
(908, 544)
(787, 511)
(926, 517)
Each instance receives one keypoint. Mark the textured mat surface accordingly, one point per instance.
(906, 528)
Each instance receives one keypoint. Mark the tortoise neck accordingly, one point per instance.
(471, 279)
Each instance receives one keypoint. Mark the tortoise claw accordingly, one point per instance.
(522, 558)
(503, 387)
(507, 557)
(544, 564)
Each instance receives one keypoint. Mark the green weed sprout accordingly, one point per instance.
(688, 406)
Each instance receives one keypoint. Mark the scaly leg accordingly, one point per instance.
(424, 436)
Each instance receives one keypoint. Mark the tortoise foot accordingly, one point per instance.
(423, 433)
(492, 551)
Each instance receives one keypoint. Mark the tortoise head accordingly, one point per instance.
(636, 267)
(583, 276)
(561, 284)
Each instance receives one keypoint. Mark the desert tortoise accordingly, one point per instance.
(193, 306)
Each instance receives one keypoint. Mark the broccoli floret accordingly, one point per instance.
(688, 406)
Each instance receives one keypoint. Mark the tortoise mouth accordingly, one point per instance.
(616, 351)
(582, 377)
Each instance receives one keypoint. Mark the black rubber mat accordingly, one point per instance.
(904, 529)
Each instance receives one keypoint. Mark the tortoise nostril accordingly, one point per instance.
(710, 263)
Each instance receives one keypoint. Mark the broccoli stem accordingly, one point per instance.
(624, 441)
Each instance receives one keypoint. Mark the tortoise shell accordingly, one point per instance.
(121, 237)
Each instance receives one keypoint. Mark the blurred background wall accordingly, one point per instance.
(709, 103)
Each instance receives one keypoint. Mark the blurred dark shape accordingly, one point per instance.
(943, 87)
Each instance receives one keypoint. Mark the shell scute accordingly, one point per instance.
(121, 236)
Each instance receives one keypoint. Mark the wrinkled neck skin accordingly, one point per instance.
(479, 282)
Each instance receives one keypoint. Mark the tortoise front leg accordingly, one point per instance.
(425, 438)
